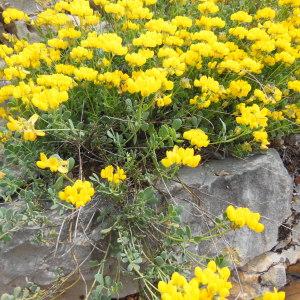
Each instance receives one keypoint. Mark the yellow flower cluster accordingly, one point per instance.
(252, 116)
(148, 82)
(181, 156)
(54, 163)
(69, 33)
(293, 111)
(59, 81)
(130, 9)
(294, 85)
(78, 194)
(108, 42)
(268, 95)
(239, 88)
(139, 58)
(207, 84)
(261, 136)
(241, 16)
(164, 100)
(113, 176)
(25, 127)
(112, 79)
(80, 54)
(256, 118)
(50, 17)
(243, 216)
(208, 283)
(197, 137)
(13, 14)
(48, 99)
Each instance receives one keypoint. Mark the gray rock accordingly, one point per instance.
(275, 276)
(24, 260)
(23, 31)
(43, 262)
(260, 182)
(262, 263)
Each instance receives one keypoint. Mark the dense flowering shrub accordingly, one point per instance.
(133, 89)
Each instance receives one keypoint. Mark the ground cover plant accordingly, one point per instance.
(118, 95)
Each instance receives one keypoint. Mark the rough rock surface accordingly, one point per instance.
(23, 31)
(260, 182)
(44, 262)
(25, 258)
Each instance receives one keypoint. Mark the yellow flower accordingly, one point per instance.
(294, 85)
(241, 16)
(252, 116)
(51, 17)
(164, 101)
(239, 88)
(58, 43)
(208, 7)
(113, 176)
(197, 137)
(13, 14)
(148, 82)
(85, 73)
(26, 127)
(239, 31)
(65, 69)
(70, 33)
(49, 99)
(261, 136)
(54, 163)
(275, 295)
(207, 84)
(109, 42)
(209, 283)
(181, 156)
(243, 216)
(2, 175)
(182, 21)
(60, 81)
(81, 53)
(265, 13)
(293, 112)
(78, 194)
(209, 22)
(6, 92)
(148, 39)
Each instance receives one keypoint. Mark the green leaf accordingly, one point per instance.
(110, 135)
(107, 230)
(71, 124)
(148, 196)
(71, 163)
(99, 278)
(144, 126)
(17, 291)
(58, 185)
(107, 281)
(224, 127)
(163, 132)
(176, 124)
(195, 121)
(7, 297)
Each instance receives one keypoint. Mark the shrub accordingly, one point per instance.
(116, 98)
